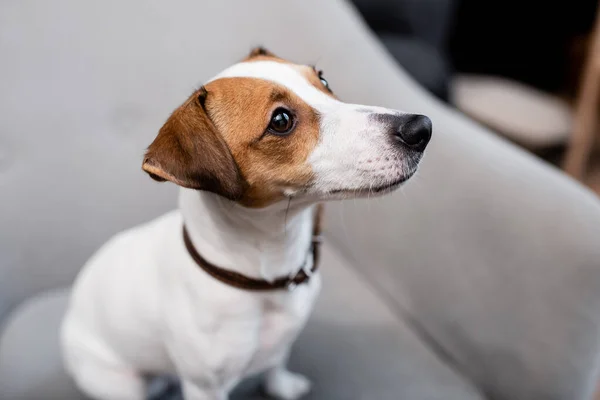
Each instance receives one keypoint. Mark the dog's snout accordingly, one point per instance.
(413, 130)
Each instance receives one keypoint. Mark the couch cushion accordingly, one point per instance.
(30, 361)
(353, 348)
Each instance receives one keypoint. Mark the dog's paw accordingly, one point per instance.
(286, 385)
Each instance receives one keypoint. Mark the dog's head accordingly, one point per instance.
(266, 129)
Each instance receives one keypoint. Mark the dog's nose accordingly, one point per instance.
(413, 130)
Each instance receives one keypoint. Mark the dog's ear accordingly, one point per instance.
(191, 153)
(260, 51)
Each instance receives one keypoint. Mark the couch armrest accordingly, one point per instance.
(492, 255)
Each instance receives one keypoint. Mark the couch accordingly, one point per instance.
(480, 279)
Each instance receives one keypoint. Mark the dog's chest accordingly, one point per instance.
(254, 332)
(283, 317)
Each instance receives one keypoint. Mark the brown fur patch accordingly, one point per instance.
(262, 54)
(241, 109)
(313, 77)
(260, 51)
(190, 152)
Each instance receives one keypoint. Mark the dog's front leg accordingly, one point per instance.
(192, 391)
(283, 384)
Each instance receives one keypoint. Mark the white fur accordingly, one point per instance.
(141, 304)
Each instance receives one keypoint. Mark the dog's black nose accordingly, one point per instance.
(413, 130)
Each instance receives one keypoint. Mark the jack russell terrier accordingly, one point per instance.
(220, 289)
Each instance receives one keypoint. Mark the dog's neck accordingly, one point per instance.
(266, 243)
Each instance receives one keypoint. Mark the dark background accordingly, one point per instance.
(540, 43)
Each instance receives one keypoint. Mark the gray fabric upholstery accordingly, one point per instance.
(30, 361)
(353, 348)
(486, 264)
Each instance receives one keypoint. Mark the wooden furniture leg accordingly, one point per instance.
(581, 140)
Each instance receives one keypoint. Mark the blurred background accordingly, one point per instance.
(516, 67)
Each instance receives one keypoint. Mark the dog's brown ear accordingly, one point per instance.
(260, 51)
(191, 153)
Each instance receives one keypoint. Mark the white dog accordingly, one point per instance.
(221, 288)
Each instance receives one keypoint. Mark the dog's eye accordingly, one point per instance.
(282, 122)
(324, 81)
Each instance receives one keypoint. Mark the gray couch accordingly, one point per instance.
(479, 280)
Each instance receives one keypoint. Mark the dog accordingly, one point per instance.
(220, 289)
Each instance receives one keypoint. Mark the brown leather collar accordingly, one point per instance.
(243, 282)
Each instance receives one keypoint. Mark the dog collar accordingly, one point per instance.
(243, 282)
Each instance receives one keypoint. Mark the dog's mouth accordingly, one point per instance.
(381, 189)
